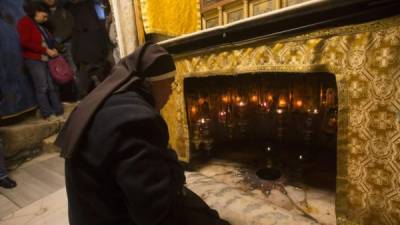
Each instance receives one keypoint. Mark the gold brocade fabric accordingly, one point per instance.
(171, 17)
(366, 61)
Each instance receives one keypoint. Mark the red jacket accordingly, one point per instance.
(30, 39)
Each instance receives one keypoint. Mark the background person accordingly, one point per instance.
(37, 47)
(60, 24)
(90, 45)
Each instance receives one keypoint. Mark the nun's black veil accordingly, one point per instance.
(146, 61)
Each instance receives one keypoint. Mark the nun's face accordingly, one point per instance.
(161, 91)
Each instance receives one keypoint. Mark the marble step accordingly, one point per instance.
(48, 145)
(28, 135)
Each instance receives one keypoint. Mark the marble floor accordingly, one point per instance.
(51, 210)
(40, 198)
(40, 190)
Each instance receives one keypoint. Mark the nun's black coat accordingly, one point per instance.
(123, 173)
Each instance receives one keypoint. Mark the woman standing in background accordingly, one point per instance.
(61, 24)
(37, 47)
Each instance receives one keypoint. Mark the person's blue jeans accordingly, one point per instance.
(46, 93)
(3, 170)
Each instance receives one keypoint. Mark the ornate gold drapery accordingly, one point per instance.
(171, 17)
(366, 61)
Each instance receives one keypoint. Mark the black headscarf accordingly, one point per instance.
(147, 61)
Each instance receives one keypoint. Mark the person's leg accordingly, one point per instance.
(83, 80)
(53, 96)
(70, 60)
(68, 56)
(92, 70)
(39, 72)
(3, 170)
(98, 71)
(5, 181)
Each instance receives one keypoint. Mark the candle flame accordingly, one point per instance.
(282, 102)
(225, 99)
(299, 103)
(201, 101)
(193, 109)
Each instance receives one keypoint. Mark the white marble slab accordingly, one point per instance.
(321, 202)
(240, 207)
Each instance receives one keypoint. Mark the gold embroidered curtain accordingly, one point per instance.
(171, 17)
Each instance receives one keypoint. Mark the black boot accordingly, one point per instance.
(7, 183)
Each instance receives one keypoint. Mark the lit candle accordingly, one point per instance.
(225, 99)
(222, 116)
(282, 103)
(315, 111)
(264, 106)
(193, 110)
(254, 98)
(201, 101)
(202, 120)
(299, 103)
(279, 111)
(241, 104)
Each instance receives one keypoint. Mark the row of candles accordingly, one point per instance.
(199, 106)
(232, 106)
